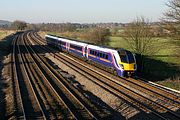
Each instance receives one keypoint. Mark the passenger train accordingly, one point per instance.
(123, 62)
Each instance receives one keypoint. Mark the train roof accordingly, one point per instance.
(67, 40)
(101, 48)
(55, 37)
(73, 42)
(70, 39)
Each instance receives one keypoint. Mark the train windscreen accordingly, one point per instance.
(126, 56)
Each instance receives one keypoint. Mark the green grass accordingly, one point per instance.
(168, 49)
(118, 42)
(2, 33)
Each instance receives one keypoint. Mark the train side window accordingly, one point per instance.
(103, 56)
(95, 53)
(106, 57)
(76, 47)
(100, 55)
(63, 43)
(91, 52)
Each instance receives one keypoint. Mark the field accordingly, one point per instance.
(163, 67)
(2, 34)
(118, 42)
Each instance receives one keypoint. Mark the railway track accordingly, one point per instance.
(74, 92)
(40, 92)
(18, 107)
(29, 106)
(145, 96)
(53, 104)
(73, 103)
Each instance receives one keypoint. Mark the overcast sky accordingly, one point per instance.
(81, 11)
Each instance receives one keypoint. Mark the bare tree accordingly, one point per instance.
(172, 18)
(19, 25)
(173, 14)
(98, 36)
(172, 21)
(140, 40)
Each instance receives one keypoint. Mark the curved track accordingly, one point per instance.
(161, 103)
(17, 98)
(29, 105)
(40, 92)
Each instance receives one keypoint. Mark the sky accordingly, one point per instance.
(81, 11)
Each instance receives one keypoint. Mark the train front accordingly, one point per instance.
(127, 62)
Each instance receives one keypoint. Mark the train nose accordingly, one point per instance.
(129, 67)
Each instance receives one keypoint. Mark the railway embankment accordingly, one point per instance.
(6, 38)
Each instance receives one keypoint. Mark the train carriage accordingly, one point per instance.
(51, 40)
(121, 61)
(77, 48)
(62, 44)
(106, 57)
(99, 55)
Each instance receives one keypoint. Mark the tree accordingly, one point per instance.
(140, 40)
(172, 18)
(173, 14)
(19, 25)
(99, 36)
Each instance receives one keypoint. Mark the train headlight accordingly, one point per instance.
(122, 66)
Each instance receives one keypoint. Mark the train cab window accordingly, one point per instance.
(126, 56)
(123, 56)
(130, 57)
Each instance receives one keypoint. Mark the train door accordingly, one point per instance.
(97, 55)
(60, 46)
(67, 46)
(86, 52)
